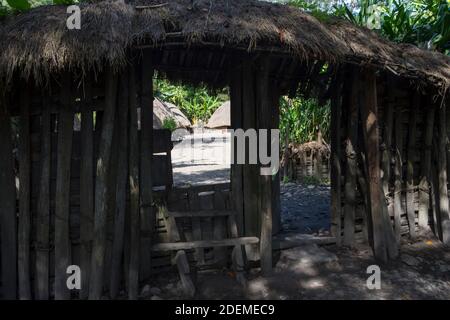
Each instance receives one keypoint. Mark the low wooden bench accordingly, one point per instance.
(198, 245)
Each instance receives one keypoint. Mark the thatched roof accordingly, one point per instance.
(166, 110)
(38, 42)
(221, 118)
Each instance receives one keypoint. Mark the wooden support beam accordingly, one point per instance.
(121, 187)
(264, 122)
(442, 175)
(62, 198)
(336, 154)
(43, 208)
(384, 244)
(204, 244)
(398, 172)
(410, 207)
(236, 123)
(86, 190)
(196, 225)
(425, 179)
(102, 189)
(8, 223)
(184, 271)
(134, 229)
(146, 151)
(351, 163)
(24, 197)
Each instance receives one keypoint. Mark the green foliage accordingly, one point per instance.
(170, 124)
(301, 119)
(197, 103)
(19, 5)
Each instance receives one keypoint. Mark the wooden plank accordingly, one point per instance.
(146, 152)
(219, 229)
(424, 185)
(204, 244)
(201, 214)
(387, 155)
(276, 195)
(43, 208)
(8, 224)
(442, 176)
(336, 174)
(86, 191)
(182, 263)
(384, 240)
(134, 216)
(24, 232)
(62, 197)
(351, 164)
(196, 225)
(237, 123)
(264, 122)
(288, 241)
(398, 172)
(101, 188)
(121, 188)
(410, 208)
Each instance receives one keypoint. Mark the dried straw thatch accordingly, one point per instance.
(221, 118)
(38, 42)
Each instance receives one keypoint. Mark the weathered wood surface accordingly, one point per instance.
(121, 188)
(86, 191)
(134, 226)
(182, 263)
(264, 122)
(146, 152)
(102, 188)
(442, 176)
(43, 209)
(24, 232)
(398, 173)
(204, 244)
(425, 179)
(410, 207)
(384, 241)
(351, 163)
(8, 224)
(63, 257)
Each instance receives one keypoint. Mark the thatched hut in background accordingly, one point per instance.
(387, 102)
(221, 118)
(166, 111)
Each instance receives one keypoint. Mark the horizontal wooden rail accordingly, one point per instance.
(201, 214)
(204, 244)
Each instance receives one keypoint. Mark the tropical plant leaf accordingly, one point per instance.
(20, 5)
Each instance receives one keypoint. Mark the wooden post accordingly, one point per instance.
(264, 122)
(336, 205)
(133, 180)
(24, 197)
(384, 243)
(387, 154)
(236, 123)
(351, 164)
(86, 190)
(101, 188)
(121, 187)
(43, 208)
(425, 179)
(8, 224)
(62, 198)
(147, 214)
(442, 179)
(410, 168)
(398, 173)
(276, 197)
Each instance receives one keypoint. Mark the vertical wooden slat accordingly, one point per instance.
(410, 207)
(62, 197)
(335, 128)
(276, 198)
(147, 214)
(236, 123)
(101, 188)
(24, 197)
(384, 240)
(442, 176)
(425, 179)
(351, 163)
(194, 205)
(121, 187)
(133, 180)
(8, 223)
(264, 122)
(86, 190)
(43, 208)
(398, 172)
